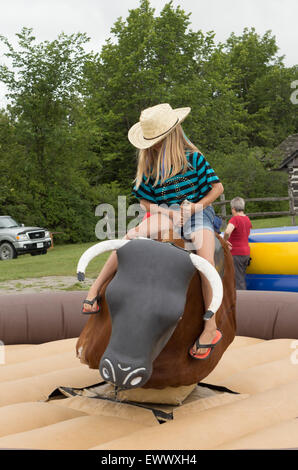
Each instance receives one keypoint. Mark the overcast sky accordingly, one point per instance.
(48, 18)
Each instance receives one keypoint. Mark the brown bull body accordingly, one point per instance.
(173, 366)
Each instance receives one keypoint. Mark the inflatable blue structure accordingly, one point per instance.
(274, 259)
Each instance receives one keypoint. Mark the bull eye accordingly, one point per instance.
(136, 381)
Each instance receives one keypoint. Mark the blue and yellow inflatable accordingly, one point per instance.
(274, 259)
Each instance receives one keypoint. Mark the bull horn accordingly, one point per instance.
(98, 249)
(214, 280)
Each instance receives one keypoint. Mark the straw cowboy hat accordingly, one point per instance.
(155, 124)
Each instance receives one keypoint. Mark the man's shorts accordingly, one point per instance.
(201, 220)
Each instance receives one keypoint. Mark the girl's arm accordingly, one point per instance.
(174, 215)
(214, 193)
(155, 208)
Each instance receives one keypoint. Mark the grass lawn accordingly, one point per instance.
(285, 221)
(59, 261)
(62, 259)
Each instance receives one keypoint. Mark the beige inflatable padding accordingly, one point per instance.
(23, 417)
(39, 366)
(216, 426)
(39, 387)
(96, 407)
(241, 341)
(279, 436)
(246, 357)
(205, 402)
(267, 408)
(21, 353)
(67, 360)
(262, 377)
(73, 434)
(166, 399)
(50, 362)
(260, 364)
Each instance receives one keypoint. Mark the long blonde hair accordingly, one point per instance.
(166, 162)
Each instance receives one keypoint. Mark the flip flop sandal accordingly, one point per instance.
(210, 347)
(91, 302)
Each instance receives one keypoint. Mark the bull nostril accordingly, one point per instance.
(136, 381)
(122, 376)
(105, 373)
(107, 370)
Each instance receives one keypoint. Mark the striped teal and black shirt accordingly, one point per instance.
(193, 185)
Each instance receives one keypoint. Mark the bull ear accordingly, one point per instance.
(98, 249)
(214, 280)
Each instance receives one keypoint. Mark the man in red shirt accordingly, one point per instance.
(237, 232)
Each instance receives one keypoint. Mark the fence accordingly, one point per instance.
(223, 213)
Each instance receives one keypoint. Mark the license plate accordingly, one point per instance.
(39, 245)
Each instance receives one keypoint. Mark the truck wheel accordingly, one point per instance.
(7, 251)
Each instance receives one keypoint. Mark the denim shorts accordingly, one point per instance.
(198, 221)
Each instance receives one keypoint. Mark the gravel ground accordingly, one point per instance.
(43, 284)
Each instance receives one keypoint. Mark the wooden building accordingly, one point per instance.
(287, 152)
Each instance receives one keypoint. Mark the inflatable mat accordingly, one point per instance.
(274, 259)
(49, 400)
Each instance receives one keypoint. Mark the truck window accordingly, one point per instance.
(8, 222)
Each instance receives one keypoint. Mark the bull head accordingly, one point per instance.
(146, 300)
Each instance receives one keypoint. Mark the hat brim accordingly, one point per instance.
(135, 133)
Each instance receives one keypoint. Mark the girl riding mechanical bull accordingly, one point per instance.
(177, 186)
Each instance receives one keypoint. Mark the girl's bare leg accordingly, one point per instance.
(151, 227)
(206, 250)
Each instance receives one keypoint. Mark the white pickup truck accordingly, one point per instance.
(16, 239)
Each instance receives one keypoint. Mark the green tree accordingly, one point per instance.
(243, 174)
(63, 136)
(45, 101)
(262, 83)
(273, 116)
(249, 57)
(153, 59)
(8, 148)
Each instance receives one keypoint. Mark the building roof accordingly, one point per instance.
(287, 160)
(286, 151)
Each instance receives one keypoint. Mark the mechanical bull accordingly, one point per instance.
(152, 312)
